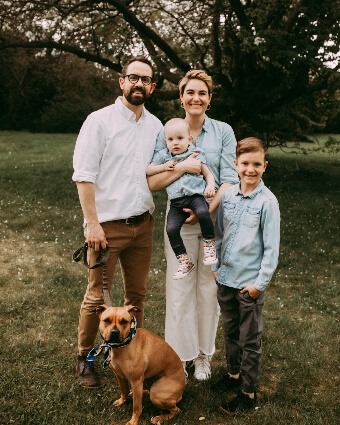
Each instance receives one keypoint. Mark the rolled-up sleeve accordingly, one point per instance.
(270, 225)
(88, 151)
(160, 143)
(228, 173)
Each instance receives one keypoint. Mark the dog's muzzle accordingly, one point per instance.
(115, 335)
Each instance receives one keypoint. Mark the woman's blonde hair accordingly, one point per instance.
(195, 74)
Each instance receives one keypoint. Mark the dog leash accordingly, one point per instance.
(103, 256)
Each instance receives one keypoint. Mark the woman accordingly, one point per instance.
(192, 311)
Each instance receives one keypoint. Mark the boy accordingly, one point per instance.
(247, 244)
(186, 192)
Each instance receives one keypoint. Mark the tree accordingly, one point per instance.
(267, 57)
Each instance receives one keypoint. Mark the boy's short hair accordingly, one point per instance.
(195, 74)
(175, 121)
(138, 59)
(251, 144)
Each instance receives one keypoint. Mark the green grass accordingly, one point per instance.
(41, 291)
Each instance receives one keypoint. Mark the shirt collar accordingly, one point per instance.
(206, 124)
(126, 112)
(252, 194)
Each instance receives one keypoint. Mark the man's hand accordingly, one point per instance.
(252, 291)
(192, 219)
(214, 275)
(95, 236)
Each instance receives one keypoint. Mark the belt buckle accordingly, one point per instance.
(130, 220)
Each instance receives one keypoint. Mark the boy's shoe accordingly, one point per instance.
(202, 368)
(209, 248)
(239, 404)
(185, 266)
(226, 383)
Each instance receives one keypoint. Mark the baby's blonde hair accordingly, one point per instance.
(175, 121)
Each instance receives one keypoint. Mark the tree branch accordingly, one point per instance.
(145, 31)
(48, 44)
(239, 12)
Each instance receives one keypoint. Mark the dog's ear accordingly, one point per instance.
(132, 309)
(99, 310)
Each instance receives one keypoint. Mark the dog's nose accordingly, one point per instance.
(114, 337)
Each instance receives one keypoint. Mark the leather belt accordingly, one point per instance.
(135, 219)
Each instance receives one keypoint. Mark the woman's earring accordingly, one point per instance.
(182, 106)
(209, 106)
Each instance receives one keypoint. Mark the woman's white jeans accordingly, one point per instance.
(192, 310)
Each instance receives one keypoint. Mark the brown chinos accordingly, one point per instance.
(131, 244)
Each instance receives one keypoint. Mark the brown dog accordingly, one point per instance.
(145, 359)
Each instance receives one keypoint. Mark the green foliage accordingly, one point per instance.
(51, 93)
(41, 291)
(269, 60)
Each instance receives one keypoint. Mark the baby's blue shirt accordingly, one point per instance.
(218, 142)
(188, 184)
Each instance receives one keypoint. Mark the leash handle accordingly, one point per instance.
(81, 253)
(103, 256)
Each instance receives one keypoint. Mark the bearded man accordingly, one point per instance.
(113, 149)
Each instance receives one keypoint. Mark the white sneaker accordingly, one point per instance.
(209, 248)
(184, 268)
(202, 368)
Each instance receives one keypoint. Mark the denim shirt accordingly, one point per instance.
(247, 237)
(218, 141)
(188, 184)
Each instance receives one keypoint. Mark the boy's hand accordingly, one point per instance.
(252, 291)
(169, 165)
(209, 192)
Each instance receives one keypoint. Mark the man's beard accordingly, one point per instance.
(136, 101)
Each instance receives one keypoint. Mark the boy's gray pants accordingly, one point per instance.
(243, 325)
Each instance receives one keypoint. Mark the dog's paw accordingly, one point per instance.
(156, 420)
(119, 402)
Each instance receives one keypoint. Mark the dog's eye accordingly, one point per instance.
(107, 321)
(123, 322)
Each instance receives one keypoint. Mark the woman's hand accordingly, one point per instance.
(191, 164)
(192, 219)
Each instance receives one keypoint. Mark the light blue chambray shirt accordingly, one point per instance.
(218, 142)
(188, 184)
(247, 237)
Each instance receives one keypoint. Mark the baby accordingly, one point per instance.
(188, 191)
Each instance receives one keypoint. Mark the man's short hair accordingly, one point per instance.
(138, 59)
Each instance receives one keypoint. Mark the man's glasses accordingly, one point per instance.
(133, 78)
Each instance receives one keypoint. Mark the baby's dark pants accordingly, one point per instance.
(177, 217)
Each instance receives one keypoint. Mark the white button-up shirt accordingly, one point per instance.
(112, 151)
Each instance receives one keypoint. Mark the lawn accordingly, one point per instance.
(41, 291)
